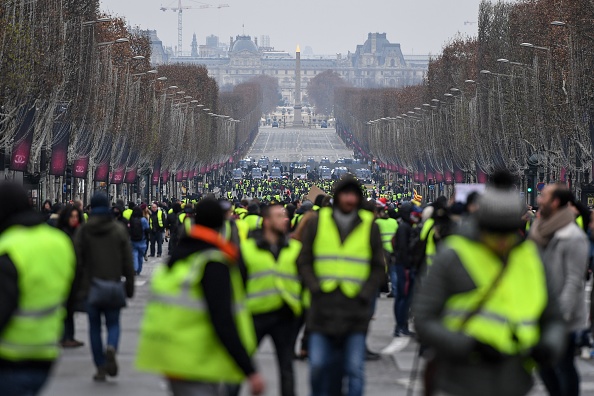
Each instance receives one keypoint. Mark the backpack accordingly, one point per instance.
(135, 229)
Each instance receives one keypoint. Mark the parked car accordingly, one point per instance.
(263, 163)
(338, 172)
(237, 174)
(325, 173)
(275, 173)
(257, 173)
(363, 174)
(300, 172)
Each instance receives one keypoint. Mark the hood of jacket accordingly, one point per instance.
(100, 224)
(348, 183)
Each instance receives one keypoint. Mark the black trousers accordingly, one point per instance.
(281, 326)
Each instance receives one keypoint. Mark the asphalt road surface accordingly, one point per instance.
(389, 376)
(297, 144)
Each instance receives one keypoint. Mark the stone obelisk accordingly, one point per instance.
(297, 109)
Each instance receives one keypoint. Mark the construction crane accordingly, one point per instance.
(180, 24)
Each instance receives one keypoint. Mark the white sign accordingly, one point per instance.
(464, 190)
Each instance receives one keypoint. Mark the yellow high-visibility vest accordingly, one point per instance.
(272, 283)
(508, 320)
(45, 276)
(388, 228)
(342, 265)
(177, 338)
(427, 234)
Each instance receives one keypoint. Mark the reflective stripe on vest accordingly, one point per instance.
(45, 277)
(345, 265)
(226, 231)
(509, 318)
(177, 338)
(160, 219)
(295, 220)
(272, 283)
(388, 228)
(427, 234)
(254, 222)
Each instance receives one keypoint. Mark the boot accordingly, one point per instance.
(111, 365)
(100, 375)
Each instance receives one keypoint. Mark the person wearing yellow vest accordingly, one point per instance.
(34, 286)
(486, 308)
(387, 227)
(229, 231)
(342, 265)
(196, 330)
(268, 260)
(305, 207)
(157, 222)
(253, 219)
(127, 214)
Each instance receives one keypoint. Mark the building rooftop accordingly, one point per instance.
(244, 43)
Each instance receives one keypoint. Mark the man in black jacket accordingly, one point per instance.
(341, 299)
(173, 224)
(402, 271)
(157, 222)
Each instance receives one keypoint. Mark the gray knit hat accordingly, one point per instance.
(500, 206)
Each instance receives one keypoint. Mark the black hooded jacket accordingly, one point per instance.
(333, 313)
(403, 236)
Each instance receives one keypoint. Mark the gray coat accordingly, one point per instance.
(566, 258)
(456, 372)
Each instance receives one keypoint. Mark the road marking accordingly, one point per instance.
(139, 282)
(397, 344)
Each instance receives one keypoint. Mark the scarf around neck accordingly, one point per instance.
(543, 230)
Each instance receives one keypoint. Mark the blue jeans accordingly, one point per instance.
(330, 359)
(112, 322)
(138, 249)
(563, 379)
(22, 381)
(402, 296)
(394, 282)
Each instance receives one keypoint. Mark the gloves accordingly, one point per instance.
(542, 355)
(487, 353)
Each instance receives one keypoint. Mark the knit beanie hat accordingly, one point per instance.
(99, 203)
(500, 207)
(209, 214)
(348, 183)
(13, 200)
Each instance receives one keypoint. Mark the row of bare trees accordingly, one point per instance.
(77, 92)
(519, 95)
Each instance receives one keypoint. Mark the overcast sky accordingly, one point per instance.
(327, 26)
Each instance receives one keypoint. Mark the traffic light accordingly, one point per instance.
(529, 189)
(68, 177)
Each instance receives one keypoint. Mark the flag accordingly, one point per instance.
(416, 196)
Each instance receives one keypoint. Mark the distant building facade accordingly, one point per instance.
(376, 63)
